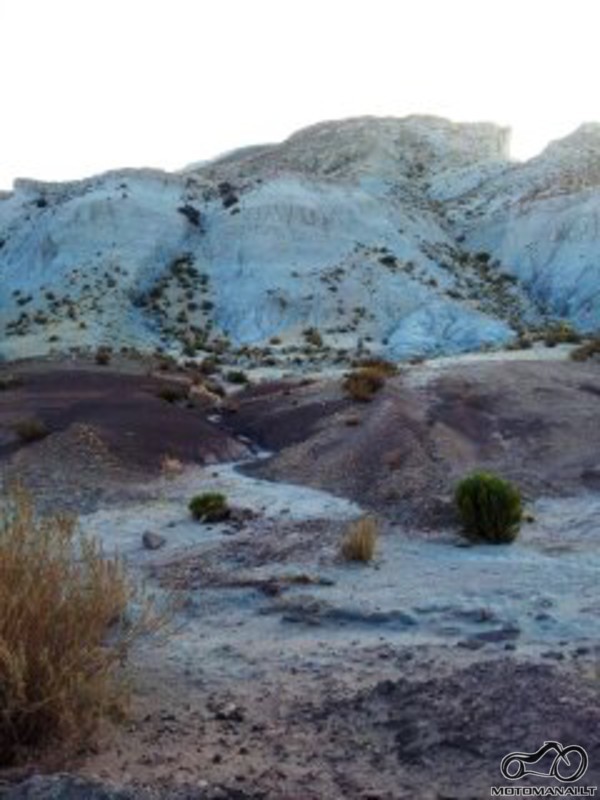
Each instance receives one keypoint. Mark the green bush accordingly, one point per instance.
(209, 507)
(490, 508)
(237, 376)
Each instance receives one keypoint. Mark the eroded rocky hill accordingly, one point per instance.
(403, 236)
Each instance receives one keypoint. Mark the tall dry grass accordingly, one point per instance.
(364, 383)
(360, 540)
(63, 633)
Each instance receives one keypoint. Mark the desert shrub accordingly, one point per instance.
(237, 376)
(523, 342)
(209, 365)
(588, 350)
(490, 508)
(561, 333)
(360, 540)
(30, 429)
(189, 349)
(171, 466)
(62, 635)
(386, 369)
(209, 507)
(172, 394)
(9, 381)
(363, 384)
(313, 337)
(165, 363)
(103, 356)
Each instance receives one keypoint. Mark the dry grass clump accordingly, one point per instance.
(30, 429)
(363, 384)
(360, 540)
(385, 368)
(103, 356)
(561, 333)
(172, 393)
(171, 467)
(61, 630)
(588, 350)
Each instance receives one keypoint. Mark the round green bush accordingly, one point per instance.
(490, 508)
(209, 507)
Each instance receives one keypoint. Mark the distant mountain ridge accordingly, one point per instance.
(406, 237)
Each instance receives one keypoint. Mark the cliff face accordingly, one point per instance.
(410, 236)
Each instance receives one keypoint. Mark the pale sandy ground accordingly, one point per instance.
(250, 687)
(290, 675)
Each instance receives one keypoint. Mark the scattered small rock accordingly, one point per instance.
(470, 644)
(582, 651)
(504, 634)
(230, 712)
(153, 541)
(239, 516)
(553, 655)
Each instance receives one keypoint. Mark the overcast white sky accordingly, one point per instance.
(88, 85)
